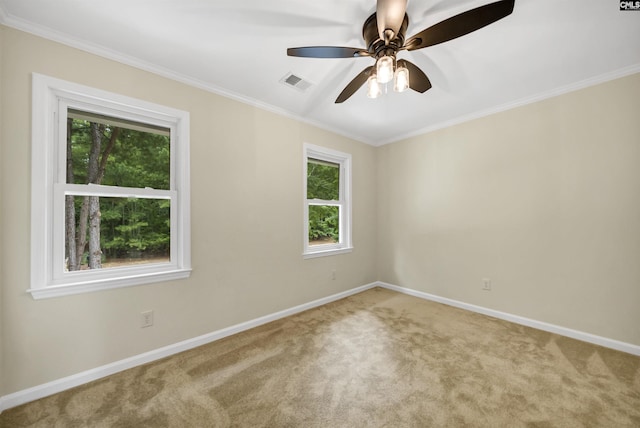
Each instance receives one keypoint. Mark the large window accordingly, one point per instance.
(327, 208)
(110, 190)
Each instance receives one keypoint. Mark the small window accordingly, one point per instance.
(327, 209)
(110, 190)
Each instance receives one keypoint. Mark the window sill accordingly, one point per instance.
(47, 292)
(327, 252)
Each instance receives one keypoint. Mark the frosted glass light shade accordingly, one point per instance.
(373, 87)
(384, 69)
(401, 83)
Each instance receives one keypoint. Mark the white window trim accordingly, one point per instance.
(344, 160)
(50, 99)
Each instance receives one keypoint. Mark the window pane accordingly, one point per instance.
(323, 180)
(116, 152)
(107, 232)
(324, 222)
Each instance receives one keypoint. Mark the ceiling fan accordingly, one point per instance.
(384, 36)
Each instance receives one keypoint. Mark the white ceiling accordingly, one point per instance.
(238, 48)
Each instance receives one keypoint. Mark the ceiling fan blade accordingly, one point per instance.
(418, 81)
(389, 16)
(461, 24)
(327, 52)
(354, 85)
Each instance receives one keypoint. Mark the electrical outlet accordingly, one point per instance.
(486, 284)
(146, 319)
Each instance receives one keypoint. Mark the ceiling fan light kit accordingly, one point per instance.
(384, 36)
(391, 70)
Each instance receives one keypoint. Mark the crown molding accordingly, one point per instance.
(3, 14)
(582, 84)
(95, 49)
(99, 50)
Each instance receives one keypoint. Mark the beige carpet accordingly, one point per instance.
(376, 359)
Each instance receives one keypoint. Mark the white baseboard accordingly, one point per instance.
(563, 331)
(40, 391)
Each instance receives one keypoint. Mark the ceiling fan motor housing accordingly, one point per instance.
(375, 45)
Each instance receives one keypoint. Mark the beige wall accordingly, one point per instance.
(1, 211)
(543, 199)
(246, 172)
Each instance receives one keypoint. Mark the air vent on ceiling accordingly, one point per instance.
(296, 82)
